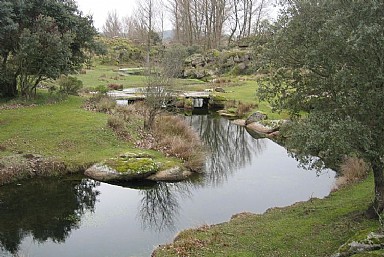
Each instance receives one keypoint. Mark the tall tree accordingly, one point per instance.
(40, 39)
(148, 14)
(112, 26)
(327, 58)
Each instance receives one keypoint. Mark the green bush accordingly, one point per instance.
(69, 85)
(101, 89)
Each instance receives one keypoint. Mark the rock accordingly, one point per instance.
(236, 59)
(196, 60)
(242, 66)
(239, 122)
(219, 89)
(226, 114)
(189, 73)
(199, 73)
(255, 117)
(173, 174)
(260, 128)
(373, 241)
(102, 172)
(124, 168)
(274, 134)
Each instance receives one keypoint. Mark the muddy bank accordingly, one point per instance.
(22, 166)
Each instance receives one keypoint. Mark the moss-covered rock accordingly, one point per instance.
(362, 243)
(129, 166)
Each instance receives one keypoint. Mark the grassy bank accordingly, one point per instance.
(313, 228)
(63, 130)
(245, 91)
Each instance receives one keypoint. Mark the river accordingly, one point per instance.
(76, 216)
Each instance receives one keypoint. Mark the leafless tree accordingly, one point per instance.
(112, 26)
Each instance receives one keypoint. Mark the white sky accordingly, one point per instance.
(99, 9)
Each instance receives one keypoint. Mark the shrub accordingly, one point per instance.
(230, 104)
(100, 103)
(243, 109)
(126, 112)
(188, 103)
(101, 89)
(239, 108)
(176, 138)
(70, 85)
(354, 168)
(113, 86)
(105, 104)
(118, 126)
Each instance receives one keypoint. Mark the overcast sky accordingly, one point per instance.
(99, 9)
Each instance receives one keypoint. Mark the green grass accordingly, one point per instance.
(102, 75)
(63, 130)
(246, 93)
(313, 228)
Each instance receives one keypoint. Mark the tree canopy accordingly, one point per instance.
(40, 39)
(327, 59)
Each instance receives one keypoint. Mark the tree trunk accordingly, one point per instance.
(378, 204)
(8, 86)
(8, 82)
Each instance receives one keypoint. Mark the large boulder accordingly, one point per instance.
(124, 168)
(255, 117)
(173, 174)
(260, 128)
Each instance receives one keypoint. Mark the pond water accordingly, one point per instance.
(76, 216)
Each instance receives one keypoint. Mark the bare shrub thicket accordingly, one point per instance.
(352, 169)
(176, 138)
(100, 103)
(119, 126)
(240, 108)
(244, 108)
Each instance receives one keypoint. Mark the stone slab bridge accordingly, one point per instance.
(130, 95)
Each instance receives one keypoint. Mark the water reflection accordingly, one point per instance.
(230, 146)
(160, 205)
(43, 209)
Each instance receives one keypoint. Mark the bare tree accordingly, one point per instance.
(146, 10)
(134, 28)
(157, 95)
(198, 21)
(112, 26)
(245, 17)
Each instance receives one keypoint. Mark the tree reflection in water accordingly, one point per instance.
(43, 209)
(159, 205)
(230, 146)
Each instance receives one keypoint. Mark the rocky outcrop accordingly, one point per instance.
(214, 62)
